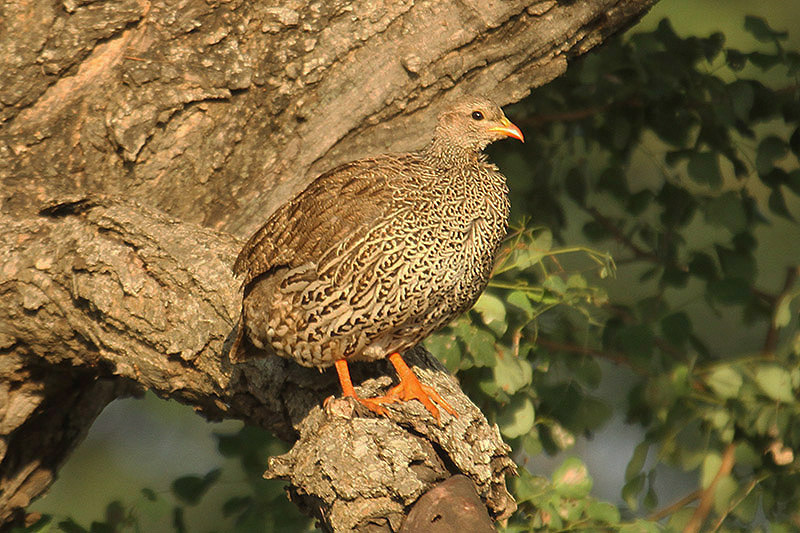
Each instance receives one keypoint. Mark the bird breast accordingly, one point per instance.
(383, 289)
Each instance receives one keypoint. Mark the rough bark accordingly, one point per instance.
(140, 141)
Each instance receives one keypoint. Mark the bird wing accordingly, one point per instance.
(338, 204)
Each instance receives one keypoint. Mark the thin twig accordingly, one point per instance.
(623, 239)
(680, 504)
(707, 498)
(750, 487)
(585, 350)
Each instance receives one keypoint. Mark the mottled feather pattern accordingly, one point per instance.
(374, 255)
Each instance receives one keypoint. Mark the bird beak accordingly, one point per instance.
(508, 129)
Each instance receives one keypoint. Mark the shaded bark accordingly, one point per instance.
(450, 507)
(140, 141)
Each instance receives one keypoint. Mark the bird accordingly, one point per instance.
(378, 253)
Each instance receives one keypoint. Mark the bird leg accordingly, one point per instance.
(373, 404)
(410, 388)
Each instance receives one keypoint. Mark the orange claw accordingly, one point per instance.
(408, 389)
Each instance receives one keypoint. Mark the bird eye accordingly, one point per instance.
(477, 115)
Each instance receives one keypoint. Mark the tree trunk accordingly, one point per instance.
(142, 140)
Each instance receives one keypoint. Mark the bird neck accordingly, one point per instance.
(442, 153)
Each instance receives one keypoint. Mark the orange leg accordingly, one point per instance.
(410, 388)
(348, 390)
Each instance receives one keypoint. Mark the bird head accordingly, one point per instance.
(472, 123)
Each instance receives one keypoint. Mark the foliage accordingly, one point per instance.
(673, 155)
(256, 506)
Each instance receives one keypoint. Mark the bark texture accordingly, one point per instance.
(140, 141)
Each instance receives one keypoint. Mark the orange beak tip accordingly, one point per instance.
(509, 130)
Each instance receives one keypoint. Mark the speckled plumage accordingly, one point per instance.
(376, 254)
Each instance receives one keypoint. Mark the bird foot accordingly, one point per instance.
(410, 388)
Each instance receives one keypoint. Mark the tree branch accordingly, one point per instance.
(130, 299)
(216, 113)
(707, 496)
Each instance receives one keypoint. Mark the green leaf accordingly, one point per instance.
(512, 373)
(517, 417)
(727, 210)
(777, 204)
(703, 266)
(735, 59)
(794, 142)
(631, 491)
(613, 181)
(747, 508)
(562, 438)
(704, 169)
(712, 45)
(595, 231)
(793, 181)
(723, 494)
(575, 184)
(190, 489)
(542, 241)
(587, 370)
(636, 463)
(711, 463)
(493, 312)
(764, 61)
(678, 204)
(521, 301)
(650, 500)
(730, 291)
(759, 28)
(115, 513)
(178, 520)
(775, 382)
(676, 328)
(725, 382)
(480, 346)
(572, 479)
(620, 131)
(70, 526)
(770, 150)
(603, 512)
(742, 98)
(445, 347)
(637, 340)
(149, 494)
(638, 202)
(736, 264)
(679, 519)
(532, 254)
(783, 313)
(555, 284)
(775, 178)
(236, 505)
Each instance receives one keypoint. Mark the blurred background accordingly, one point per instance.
(148, 443)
